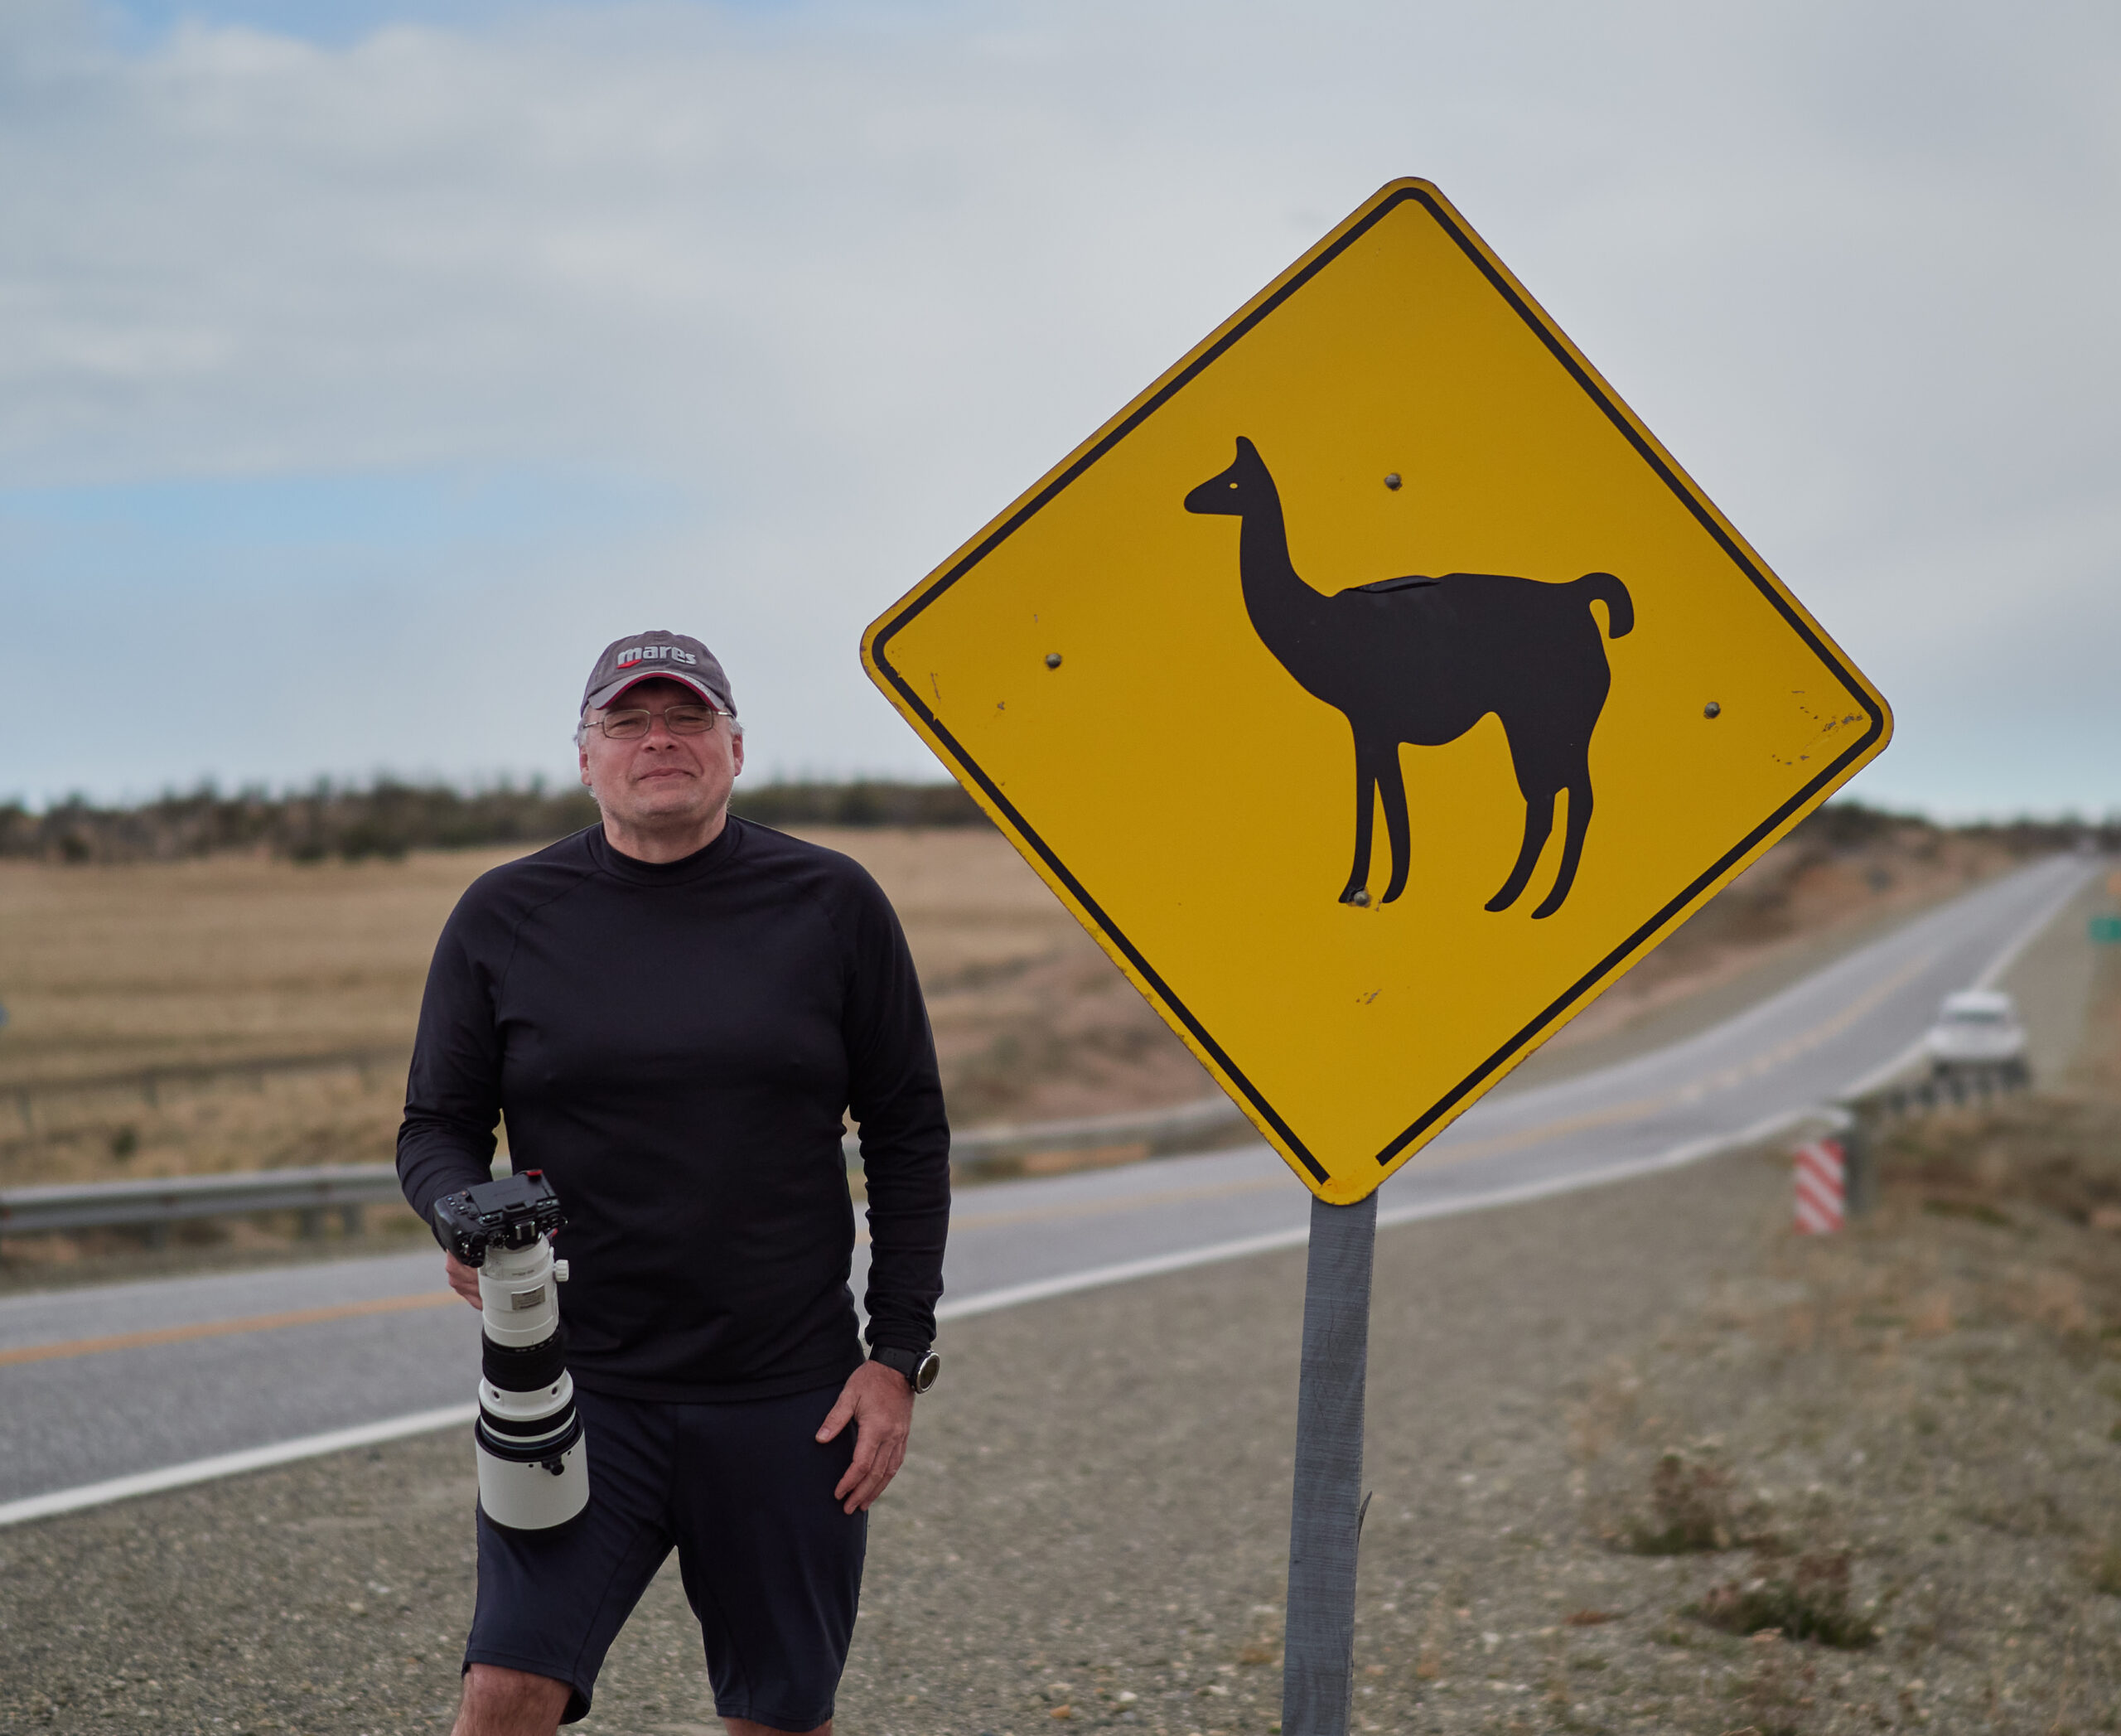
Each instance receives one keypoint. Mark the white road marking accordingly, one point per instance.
(232, 1464)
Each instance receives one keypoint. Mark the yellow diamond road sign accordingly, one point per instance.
(1376, 690)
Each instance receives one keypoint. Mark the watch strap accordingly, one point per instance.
(906, 1362)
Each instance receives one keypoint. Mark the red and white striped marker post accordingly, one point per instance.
(1821, 1175)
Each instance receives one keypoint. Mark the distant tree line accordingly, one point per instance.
(1854, 825)
(386, 818)
(862, 803)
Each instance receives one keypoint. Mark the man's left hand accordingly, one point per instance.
(879, 1403)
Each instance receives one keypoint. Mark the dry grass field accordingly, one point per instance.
(108, 972)
(113, 971)
(235, 960)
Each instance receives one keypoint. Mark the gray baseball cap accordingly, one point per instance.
(644, 656)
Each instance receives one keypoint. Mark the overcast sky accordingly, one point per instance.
(365, 367)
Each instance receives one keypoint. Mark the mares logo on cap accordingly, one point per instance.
(658, 654)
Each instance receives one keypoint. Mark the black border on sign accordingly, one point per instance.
(1605, 966)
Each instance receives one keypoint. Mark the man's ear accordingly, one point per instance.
(736, 754)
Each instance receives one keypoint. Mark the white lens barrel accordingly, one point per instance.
(531, 1497)
(518, 1296)
(534, 1464)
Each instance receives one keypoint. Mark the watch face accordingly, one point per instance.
(923, 1375)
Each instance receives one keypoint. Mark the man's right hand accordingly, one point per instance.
(462, 1278)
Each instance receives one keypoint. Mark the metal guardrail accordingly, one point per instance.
(346, 1189)
(976, 1154)
(1951, 1087)
(1860, 1118)
(158, 1203)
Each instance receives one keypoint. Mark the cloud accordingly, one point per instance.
(825, 286)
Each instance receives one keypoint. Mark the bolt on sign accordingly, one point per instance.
(1375, 689)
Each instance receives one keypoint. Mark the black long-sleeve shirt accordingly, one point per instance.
(674, 1046)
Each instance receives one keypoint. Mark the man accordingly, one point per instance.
(673, 1011)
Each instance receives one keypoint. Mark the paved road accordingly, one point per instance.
(132, 1379)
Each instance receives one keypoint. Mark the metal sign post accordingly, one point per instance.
(1325, 1518)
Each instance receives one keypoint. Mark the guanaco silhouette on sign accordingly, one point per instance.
(1422, 660)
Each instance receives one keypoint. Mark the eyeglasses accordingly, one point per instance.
(630, 725)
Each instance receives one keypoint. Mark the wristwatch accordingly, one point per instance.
(919, 1368)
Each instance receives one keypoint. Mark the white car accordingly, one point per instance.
(1976, 1028)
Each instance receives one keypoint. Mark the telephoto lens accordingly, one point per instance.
(534, 1464)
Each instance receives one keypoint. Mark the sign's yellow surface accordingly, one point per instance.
(1185, 716)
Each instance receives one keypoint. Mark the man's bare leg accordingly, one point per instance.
(745, 1726)
(500, 1702)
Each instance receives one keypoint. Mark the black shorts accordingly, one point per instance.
(743, 1492)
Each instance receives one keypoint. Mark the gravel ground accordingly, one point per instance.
(1093, 1527)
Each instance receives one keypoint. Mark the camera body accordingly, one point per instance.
(510, 1213)
(534, 1464)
